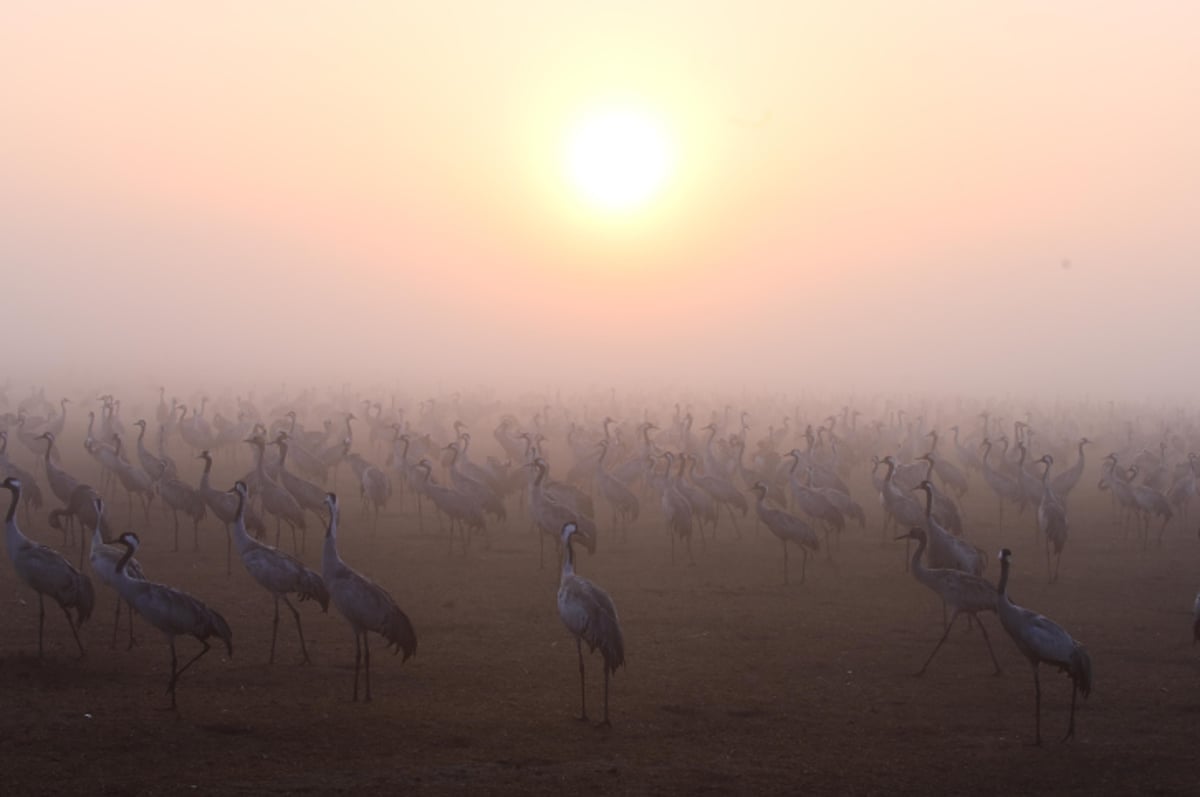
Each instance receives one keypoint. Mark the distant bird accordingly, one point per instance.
(104, 558)
(364, 604)
(788, 528)
(172, 611)
(1043, 640)
(1052, 520)
(47, 572)
(965, 593)
(276, 572)
(589, 614)
(179, 496)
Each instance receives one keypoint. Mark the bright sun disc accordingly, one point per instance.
(618, 159)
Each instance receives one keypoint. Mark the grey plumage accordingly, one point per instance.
(589, 614)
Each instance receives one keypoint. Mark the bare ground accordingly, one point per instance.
(734, 682)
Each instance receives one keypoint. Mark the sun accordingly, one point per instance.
(618, 159)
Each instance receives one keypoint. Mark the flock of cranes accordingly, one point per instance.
(613, 474)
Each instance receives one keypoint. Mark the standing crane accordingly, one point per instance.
(788, 528)
(965, 593)
(589, 614)
(225, 506)
(276, 572)
(1043, 640)
(170, 610)
(364, 604)
(47, 572)
(275, 499)
(103, 558)
(1052, 520)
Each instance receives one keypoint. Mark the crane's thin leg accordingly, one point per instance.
(1071, 724)
(938, 646)
(671, 534)
(1057, 562)
(274, 631)
(606, 723)
(228, 552)
(174, 675)
(175, 515)
(117, 625)
(357, 662)
(691, 557)
(74, 632)
(129, 607)
(278, 530)
(803, 564)
(41, 621)
(1037, 707)
(194, 659)
(299, 630)
(582, 692)
(367, 663)
(785, 563)
(907, 545)
(82, 544)
(195, 534)
(991, 652)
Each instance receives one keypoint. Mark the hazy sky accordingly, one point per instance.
(275, 191)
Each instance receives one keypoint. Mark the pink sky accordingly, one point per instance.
(309, 191)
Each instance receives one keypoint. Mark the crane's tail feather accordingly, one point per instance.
(219, 628)
(85, 598)
(312, 586)
(399, 633)
(1081, 669)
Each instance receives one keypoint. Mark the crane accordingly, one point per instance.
(589, 614)
(104, 558)
(364, 604)
(276, 572)
(788, 528)
(47, 572)
(964, 592)
(170, 610)
(1040, 639)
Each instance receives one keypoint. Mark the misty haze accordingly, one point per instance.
(549, 398)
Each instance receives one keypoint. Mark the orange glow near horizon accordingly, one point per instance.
(823, 169)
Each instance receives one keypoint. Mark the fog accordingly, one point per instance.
(939, 202)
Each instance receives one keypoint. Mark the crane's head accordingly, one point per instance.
(240, 488)
(915, 533)
(129, 540)
(204, 455)
(140, 422)
(760, 488)
(1046, 458)
(1083, 441)
(12, 483)
(1005, 555)
(925, 486)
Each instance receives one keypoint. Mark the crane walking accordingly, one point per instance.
(1043, 640)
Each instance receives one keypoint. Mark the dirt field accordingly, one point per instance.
(734, 683)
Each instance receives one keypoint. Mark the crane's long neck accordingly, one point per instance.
(124, 560)
(568, 567)
(240, 537)
(928, 502)
(141, 434)
(1002, 587)
(330, 559)
(918, 567)
(204, 485)
(929, 468)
